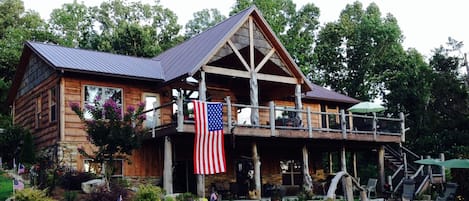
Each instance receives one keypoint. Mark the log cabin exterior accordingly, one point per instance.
(272, 114)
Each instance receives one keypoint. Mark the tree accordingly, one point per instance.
(132, 28)
(112, 134)
(295, 28)
(203, 20)
(352, 52)
(72, 22)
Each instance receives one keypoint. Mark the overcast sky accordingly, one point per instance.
(425, 24)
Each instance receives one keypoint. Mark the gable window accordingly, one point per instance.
(98, 94)
(52, 104)
(291, 172)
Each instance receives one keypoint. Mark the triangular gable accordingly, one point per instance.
(187, 58)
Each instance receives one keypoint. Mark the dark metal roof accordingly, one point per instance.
(186, 58)
(87, 61)
(321, 93)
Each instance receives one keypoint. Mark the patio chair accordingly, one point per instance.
(449, 193)
(408, 189)
(371, 187)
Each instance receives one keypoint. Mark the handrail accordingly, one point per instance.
(417, 172)
(397, 171)
(420, 187)
(306, 119)
(410, 152)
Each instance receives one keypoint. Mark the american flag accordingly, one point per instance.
(209, 148)
(18, 185)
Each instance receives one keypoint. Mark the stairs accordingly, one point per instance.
(401, 161)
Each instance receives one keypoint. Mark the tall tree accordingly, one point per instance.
(203, 20)
(72, 22)
(133, 28)
(295, 28)
(352, 52)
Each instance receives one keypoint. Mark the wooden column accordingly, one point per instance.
(168, 166)
(330, 163)
(343, 159)
(355, 172)
(254, 87)
(382, 178)
(298, 103)
(257, 169)
(308, 181)
(202, 97)
(443, 176)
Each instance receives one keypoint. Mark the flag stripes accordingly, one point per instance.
(209, 150)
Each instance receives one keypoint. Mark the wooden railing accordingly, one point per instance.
(276, 117)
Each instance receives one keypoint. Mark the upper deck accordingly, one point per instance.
(284, 122)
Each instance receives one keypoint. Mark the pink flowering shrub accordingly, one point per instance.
(110, 131)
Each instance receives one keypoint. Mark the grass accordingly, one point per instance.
(6, 186)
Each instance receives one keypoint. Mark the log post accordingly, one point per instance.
(381, 167)
(375, 129)
(202, 97)
(443, 176)
(180, 111)
(254, 91)
(298, 104)
(310, 126)
(430, 174)
(343, 125)
(257, 170)
(402, 118)
(308, 181)
(272, 117)
(354, 159)
(228, 110)
(343, 159)
(330, 163)
(168, 166)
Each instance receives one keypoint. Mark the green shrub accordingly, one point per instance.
(186, 197)
(30, 194)
(70, 195)
(149, 193)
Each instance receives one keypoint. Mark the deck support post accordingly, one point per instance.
(254, 91)
(272, 117)
(354, 161)
(330, 163)
(202, 97)
(343, 159)
(429, 168)
(298, 104)
(308, 181)
(168, 166)
(382, 179)
(257, 170)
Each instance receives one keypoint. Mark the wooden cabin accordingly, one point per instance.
(279, 128)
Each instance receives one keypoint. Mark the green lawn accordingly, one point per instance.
(6, 186)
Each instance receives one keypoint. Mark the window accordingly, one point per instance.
(96, 168)
(97, 94)
(151, 101)
(52, 105)
(38, 112)
(291, 172)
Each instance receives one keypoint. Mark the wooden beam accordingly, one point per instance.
(251, 43)
(240, 57)
(264, 60)
(168, 166)
(244, 74)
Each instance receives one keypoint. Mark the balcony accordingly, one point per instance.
(283, 121)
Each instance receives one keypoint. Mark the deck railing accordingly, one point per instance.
(276, 117)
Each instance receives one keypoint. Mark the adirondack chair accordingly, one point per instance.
(371, 187)
(449, 193)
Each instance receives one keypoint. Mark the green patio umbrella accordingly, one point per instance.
(455, 163)
(366, 107)
(428, 161)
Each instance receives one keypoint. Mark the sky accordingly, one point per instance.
(425, 24)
